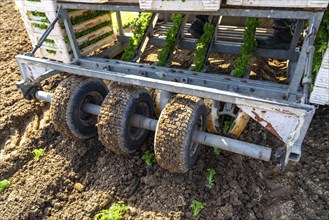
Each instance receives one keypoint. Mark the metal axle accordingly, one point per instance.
(204, 138)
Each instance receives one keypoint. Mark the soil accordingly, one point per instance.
(77, 179)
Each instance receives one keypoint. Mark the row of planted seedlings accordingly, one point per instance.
(92, 29)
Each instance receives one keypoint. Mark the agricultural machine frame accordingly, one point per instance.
(282, 109)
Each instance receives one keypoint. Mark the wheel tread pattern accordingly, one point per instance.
(174, 132)
(111, 120)
(59, 104)
(99, 83)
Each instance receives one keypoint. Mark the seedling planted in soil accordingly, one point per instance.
(149, 159)
(210, 179)
(4, 184)
(37, 153)
(217, 151)
(115, 212)
(197, 207)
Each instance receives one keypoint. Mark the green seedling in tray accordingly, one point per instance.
(82, 18)
(41, 15)
(40, 26)
(115, 212)
(197, 207)
(248, 46)
(37, 153)
(141, 26)
(88, 31)
(202, 46)
(4, 184)
(50, 42)
(170, 41)
(95, 40)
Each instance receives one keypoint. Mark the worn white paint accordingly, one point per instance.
(179, 5)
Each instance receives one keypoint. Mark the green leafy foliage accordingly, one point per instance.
(88, 31)
(37, 153)
(170, 41)
(129, 23)
(38, 14)
(90, 42)
(149, 158)
(41, 15)
(227, 124)
(128, 19)
(40, 26)
(248, 46)
(141, 26)
(115, 212)
(50, 42)
(217, 151)
(4, 184)
(82, 18)
(34, 0)
(320, 43)
(202, 45)
(197, 207)
(210, 179)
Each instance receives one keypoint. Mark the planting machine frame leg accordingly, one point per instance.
(125, 112)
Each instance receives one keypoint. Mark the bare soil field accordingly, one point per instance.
(77, 179)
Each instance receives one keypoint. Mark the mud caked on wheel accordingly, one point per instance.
(174, 149)
(66, 106)
(114, 129)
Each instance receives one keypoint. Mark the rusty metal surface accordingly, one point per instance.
(286, 123)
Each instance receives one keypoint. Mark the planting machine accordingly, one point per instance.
(187, 109)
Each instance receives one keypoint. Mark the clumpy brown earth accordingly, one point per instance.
(77, 179)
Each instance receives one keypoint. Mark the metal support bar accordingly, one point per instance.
(224, 11)
(47, 32)
(297, 32)
(172, 80)
(119, 20)
(70, 33)
(298, 74)
(224, 143)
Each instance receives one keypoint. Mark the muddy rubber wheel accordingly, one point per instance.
(174, 149)
(66, 106)
(113, 126)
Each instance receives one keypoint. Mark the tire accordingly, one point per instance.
(173, 146)
(113, 127)
(66, 106)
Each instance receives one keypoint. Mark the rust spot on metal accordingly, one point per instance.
(263, 112)
(268, 125)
